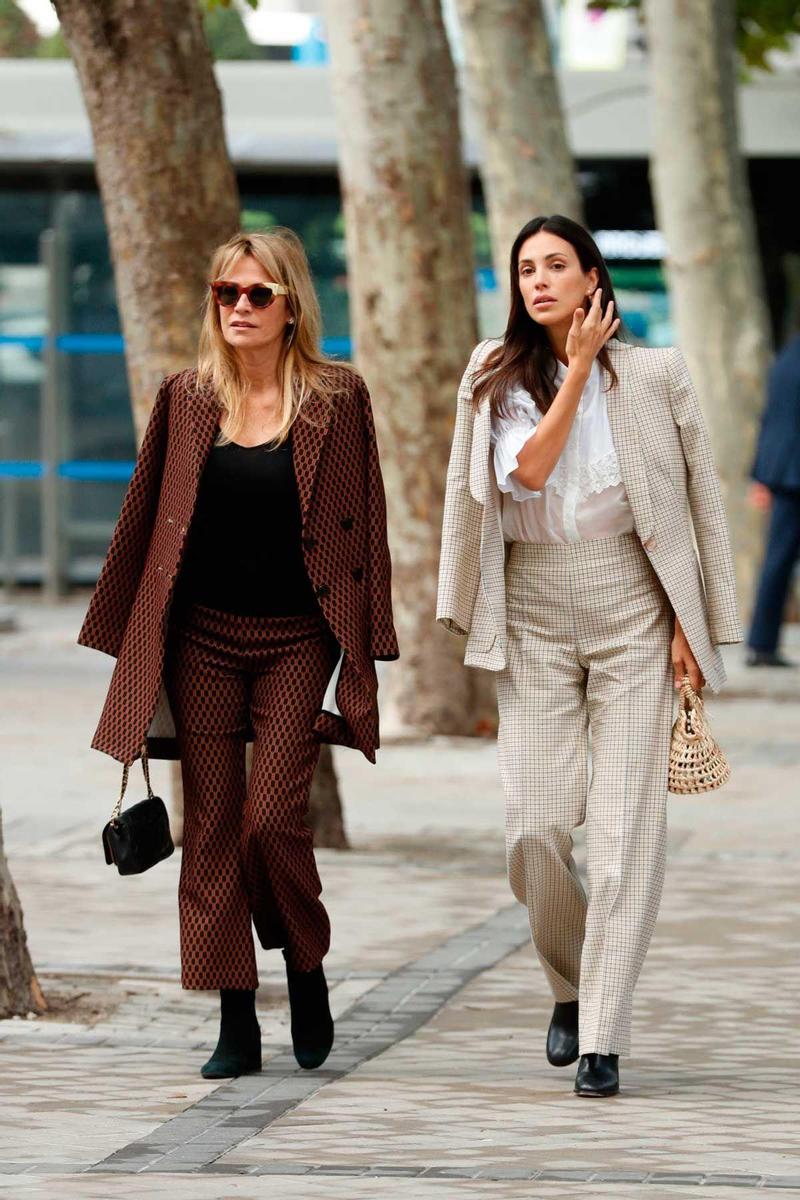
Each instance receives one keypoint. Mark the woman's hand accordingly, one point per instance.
(589, 332)
(759, 497)
(684, 662)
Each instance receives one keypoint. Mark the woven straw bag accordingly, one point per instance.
(696, 763)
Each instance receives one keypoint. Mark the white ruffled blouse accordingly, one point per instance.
(584, 496)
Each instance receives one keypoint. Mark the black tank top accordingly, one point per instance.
(243, 553)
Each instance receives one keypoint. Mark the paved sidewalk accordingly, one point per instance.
(438, 1084)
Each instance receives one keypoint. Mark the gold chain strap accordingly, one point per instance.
(125, 771)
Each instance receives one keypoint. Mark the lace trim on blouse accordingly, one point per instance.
(591, 477)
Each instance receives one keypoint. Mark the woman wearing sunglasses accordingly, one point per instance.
(580, 480)
(249, 560)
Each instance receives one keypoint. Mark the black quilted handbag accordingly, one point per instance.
(139, 837)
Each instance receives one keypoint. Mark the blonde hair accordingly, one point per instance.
(302, 367)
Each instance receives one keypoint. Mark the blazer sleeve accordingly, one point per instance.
(110, 607)
(459, 561)
(706, 506)
(383, 639)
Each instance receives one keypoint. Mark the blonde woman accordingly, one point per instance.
(580, 480)
(249, 561)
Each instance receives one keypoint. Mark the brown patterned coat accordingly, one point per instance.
(344, 545)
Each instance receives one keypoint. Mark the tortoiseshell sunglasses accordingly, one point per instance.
(260, 295)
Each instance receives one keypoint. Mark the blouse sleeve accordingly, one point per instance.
(509, 435)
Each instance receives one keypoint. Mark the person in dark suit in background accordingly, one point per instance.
(776, 487)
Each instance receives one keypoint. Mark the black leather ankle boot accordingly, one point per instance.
(598, 1075)
(562, 1036)
(238, 1050)
(312, 1024)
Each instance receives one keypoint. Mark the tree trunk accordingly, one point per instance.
(169, 192)
(19, 988)
(528, 169)
(704, 209)
(168, 188)
(325, 816)
(412, 309)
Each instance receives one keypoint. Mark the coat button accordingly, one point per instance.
(322, 591)
(309, 543)
(347, 522)
(649, 543)
(357, 573)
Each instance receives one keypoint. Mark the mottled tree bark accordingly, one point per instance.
(325, 816)
(412, 308)
(168, 188)
(528, 169)
(704, 209)
(19, 988)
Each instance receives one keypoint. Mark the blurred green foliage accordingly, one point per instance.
(225, 31)
(761, 26)
(210, 5)
(257, 220)
(226, 34)
(53, 46)
(18, 34)
(481, 239)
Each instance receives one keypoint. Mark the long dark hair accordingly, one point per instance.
(525, 356)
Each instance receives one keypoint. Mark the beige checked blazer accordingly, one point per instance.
(669, 474)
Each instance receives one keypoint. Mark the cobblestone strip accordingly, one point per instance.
(500, 1173)
(387, 1014)
(497, 1174)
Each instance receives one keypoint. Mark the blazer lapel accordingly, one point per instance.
(624, 421)
(308, 438)
(479, 453)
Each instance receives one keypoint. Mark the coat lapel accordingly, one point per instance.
(308, 437)
(623, 417)
(479, 453)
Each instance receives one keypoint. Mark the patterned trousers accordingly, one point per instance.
(589, 631)
(248, 853)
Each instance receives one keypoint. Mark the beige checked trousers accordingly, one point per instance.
(589, 631)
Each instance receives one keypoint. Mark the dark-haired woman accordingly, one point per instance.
(580, 479)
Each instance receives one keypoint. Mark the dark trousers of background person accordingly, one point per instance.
(248, 853)
(782, 551)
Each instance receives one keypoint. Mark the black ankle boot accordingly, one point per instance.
(598, 1075)
(238, 1050)
(312, 1024)
(562, 1036)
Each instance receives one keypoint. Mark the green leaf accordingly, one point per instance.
(762, 26)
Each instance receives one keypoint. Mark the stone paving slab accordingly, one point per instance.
(319, 1187)
(206, 1131)
(711, 1087)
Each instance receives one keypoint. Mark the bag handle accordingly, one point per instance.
(691, 702)
(125, 771)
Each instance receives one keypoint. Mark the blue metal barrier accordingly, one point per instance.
(114, 343)
(12, 469)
